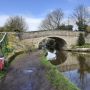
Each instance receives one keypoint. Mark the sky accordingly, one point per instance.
(34, 11)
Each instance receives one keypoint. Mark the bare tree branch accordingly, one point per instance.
(16, 23)
(52, 20)
(81, 17)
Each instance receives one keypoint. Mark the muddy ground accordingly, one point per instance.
(26, 73)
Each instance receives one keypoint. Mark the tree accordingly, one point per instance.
(66, 27)
(52, 20)
(81, 16)
(15, 24)
(81, 40)
(2, 29)
(69, 27)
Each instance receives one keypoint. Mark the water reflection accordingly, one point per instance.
(81, 71)
(84, 66)
(80, 75)
(51, 55)
(75, 66)
(61, 56)
(57, 57)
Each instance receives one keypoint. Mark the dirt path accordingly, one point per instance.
(26, 73)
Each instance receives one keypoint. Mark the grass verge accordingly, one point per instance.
(86, 45)
(55, 77)
(4, 71)
(2, 74)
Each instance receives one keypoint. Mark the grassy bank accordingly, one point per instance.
(86, 45)
(2, 74)
(5, 70)
(8, 62)
(55, 77)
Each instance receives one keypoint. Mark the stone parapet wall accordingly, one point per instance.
(36, 34)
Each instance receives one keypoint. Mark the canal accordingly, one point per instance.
(74, 66)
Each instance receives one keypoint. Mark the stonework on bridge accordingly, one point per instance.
(70, 37)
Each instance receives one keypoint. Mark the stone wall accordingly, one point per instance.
(36, 34)
(87, 39)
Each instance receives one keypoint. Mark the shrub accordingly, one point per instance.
(81, 40)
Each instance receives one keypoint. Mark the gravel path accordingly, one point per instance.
(26, 73)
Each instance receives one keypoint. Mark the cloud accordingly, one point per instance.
(88, 8)
(33, 23)
(3, 19)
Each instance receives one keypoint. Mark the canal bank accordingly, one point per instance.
(75, 65)
(79, 50)
(55, 77)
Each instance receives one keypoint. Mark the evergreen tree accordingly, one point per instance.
(81, 40)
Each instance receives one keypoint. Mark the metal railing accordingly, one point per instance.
(3, 45)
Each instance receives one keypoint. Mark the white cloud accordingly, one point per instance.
(3, 19)
(88, 8)
(33, 23)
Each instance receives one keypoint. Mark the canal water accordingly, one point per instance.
(75, 66)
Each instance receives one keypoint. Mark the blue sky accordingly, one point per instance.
(34, 11)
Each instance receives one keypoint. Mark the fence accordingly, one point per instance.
(3, 44)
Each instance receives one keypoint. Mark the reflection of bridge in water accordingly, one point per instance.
(80, 67)
(78, 71)
(68, 62)
(74, 66)
(66, 67)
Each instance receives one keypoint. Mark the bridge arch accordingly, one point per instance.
(60, 42)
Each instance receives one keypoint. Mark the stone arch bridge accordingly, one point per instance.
(35, 37)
